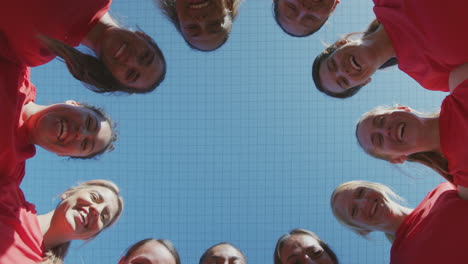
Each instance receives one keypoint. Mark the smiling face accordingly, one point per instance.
(392, 134)
(363, 207)
(204, 24)
(303, 249)
(85, 212)
(224, 254)
(131, 59)
(151, 252)
(350, 65)
(69, 130)
(303, 17)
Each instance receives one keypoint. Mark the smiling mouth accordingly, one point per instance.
(63, 131)
(401, 132)
(374, 208)
(356, 66)
(84, 217)
(197, 4)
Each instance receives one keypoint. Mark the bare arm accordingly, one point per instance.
(457, 76)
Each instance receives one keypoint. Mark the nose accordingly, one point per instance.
(81, 133)
(306, 259)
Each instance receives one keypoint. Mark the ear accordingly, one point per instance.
(143, 35)
(404, 108)
(398, 160)
(334, 6)
(366, 82)
(230, 5)
(341, 42)
(71, 102)
(122, 259)
(64, 195)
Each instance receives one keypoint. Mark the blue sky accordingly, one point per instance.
(236, 145)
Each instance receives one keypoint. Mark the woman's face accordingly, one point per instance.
(302, 17)
(205, 24)
(85, 212)
(151, 252)
(363, 207)
(303, 249)
(350, 65)
(130, 58)
(393, 134)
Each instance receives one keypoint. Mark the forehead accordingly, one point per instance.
(153, 250)
(297, 243)
(342, 200)
(224, 250)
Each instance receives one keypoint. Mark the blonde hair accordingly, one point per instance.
(432, 159)
(57, 254)
(393, 199)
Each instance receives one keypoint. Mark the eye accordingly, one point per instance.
(382, 120)
(104, 217)
(88, 122)
(292, 7)
(315, 253)
(94, 197)
(84, 144)
(353, 211)
(360, 193)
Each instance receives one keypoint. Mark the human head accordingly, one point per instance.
(302, 18)
(128, 61)
(83, 213)
(344, 67)
(298, 244)
(151, 251)
(393, 133)
(70, 129)
(222, 253)
(205, 25)
(364, 206)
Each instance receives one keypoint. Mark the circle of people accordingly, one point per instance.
(421, 37)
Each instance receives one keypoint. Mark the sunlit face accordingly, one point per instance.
(151, 252)
(303, 249)
(392, 134)
(205, 24)
(363, 207)
(85, 212)
(350, 65)
(130, 58)
(301, 17)
(224, 254)
(69, 129)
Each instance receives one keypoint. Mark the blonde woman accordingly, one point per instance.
(434, 232)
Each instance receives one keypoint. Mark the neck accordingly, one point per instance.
(432, 134)
(399, 216)
(94, 38)
(380, 45)
(52, 236)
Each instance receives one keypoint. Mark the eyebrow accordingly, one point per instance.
(292, 256)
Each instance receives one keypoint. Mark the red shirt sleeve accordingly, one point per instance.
(426, 50)
(68, 21)
(453, 128)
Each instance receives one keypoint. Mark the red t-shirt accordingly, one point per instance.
(435, 232)
(21, 239)
(453, 129)
(427, 36)
(15, 92)
(67, 21)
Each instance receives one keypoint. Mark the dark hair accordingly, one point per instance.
(205, 254)
(275, 15)
(168, 8)
(166, 243)
(374, 25)
(299, 231)
(93, 72)
(114, 136)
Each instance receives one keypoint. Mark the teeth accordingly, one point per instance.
(354, 63)
(63, 131)
(198, 6)
(120, 51)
